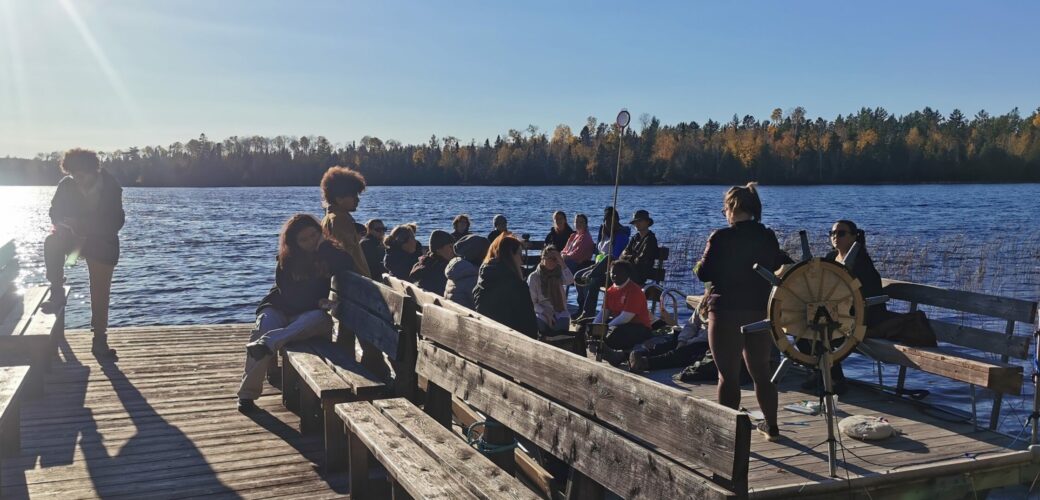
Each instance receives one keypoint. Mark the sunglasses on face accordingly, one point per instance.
(841, 233)
(377, 229)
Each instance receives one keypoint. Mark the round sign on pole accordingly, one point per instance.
(623, 118)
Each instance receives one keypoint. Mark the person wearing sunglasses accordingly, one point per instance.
(372, 247)
(843, 235)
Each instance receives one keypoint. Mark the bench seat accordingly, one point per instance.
(12, 382)
(316, 375)
(994, 375)
(424, 459)
(28, 336)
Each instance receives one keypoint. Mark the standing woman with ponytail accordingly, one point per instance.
(741, 296)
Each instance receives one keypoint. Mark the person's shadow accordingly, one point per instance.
(157, 458)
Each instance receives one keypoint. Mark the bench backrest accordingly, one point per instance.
(380, 316)
(8, 273)
(1011, 310)
(625, 432)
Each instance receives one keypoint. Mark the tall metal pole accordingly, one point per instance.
(623, 119)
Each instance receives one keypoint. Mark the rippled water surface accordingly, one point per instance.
(194, 256)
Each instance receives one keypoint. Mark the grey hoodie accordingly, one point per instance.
(462, 278)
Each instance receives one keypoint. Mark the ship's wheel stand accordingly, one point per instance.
(817, 300)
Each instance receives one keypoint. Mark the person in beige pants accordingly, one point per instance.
(273, 331)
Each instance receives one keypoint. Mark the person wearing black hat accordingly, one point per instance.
(501, 226)
(428, 273)
(642, 250)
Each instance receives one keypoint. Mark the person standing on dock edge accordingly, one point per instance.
(87, 213)
(728, 264)
(341, 188)
(297, 306)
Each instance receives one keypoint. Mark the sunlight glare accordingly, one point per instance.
(102, 60)
(17, 70)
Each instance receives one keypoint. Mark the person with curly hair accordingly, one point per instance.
(341, 189)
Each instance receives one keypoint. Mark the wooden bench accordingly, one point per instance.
(319, 373)
(422, 458)
(27, 335)
(976, 370)
(12, 381)
(617, 431)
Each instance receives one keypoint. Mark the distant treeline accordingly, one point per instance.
(871, 146)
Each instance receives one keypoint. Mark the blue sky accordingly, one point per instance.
(110, 74)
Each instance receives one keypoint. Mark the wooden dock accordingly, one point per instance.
(162, 423)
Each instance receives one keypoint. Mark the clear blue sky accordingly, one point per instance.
(111, 74)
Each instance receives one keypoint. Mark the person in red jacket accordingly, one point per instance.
(625, 312)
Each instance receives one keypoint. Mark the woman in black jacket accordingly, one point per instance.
(501, 292)
(296, 307)
(560, 232)
(402, 251)
(740, 297)
(87, 214)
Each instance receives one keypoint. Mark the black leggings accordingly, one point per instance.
(728, 345)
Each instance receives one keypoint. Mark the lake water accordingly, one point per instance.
(193, 256)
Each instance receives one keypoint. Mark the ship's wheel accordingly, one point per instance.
(819, 301)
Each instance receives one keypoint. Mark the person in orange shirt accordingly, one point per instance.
(625, 312)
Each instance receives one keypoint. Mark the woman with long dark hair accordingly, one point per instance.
(561, 231)
(297, 306)
(501, 293)
(741, 297)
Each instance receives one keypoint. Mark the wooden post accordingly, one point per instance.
(290, 385)
(438, 404)
(310, 406)
(10, 431)
(496, 434)
(405, 382)
(335, 439)
(360, 486)
(580, 487)
(998, 398)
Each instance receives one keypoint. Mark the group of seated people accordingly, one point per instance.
(487, 275)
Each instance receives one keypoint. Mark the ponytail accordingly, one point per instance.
(744, 199)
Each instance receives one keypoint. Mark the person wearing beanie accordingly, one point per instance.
(462, 271)
(429, 273)
(501, 226)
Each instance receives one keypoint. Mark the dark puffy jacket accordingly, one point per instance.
(400, 263)
(428, 273)
(292, 297)
(98, 226)
(504, 297)
(462, 278)
(728, 263)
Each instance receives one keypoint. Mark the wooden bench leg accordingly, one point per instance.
(335, 438)
(994, 416)
(397, 492)
(11, 431)
(290, 386)
(360, 486)
(580, 487)
(310, 410)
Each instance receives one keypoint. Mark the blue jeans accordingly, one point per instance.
(595, 276)
(275, 329)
